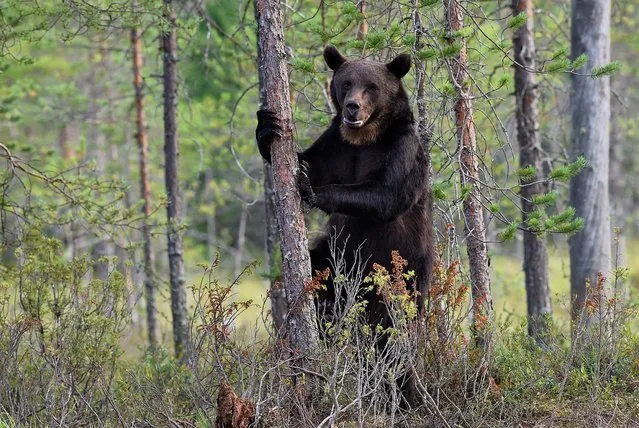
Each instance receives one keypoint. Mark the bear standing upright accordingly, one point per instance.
(368, 172)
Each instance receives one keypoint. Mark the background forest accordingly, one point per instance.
(84, 225)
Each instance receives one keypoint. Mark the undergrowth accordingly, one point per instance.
(61, 364)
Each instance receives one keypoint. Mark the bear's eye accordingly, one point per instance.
(372, 87)
(346, 85)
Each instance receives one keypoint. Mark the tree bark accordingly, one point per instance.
(145, 186)
(474, 227)
(296, 268)
(102, 249)
(590, 98)
(362, 30)
(241, 240)
(171, 176)
(211, 229)
(530, 154)
(276, 291)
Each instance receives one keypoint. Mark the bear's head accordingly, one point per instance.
(367, 94)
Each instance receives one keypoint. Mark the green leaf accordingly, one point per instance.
(303, 65)
(376, 40)
(428, 3)
(426, 54)
(561, 52)
(559, 64)
(438, 192)
(509, 232)
(606, 70)
(572, 227)
(452, 49)
(466, 190)
(527, 174)
(518, 21)
(580, 61)
(565, 216)
(409, 40)
(545, 199)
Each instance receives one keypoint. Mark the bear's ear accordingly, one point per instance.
(333, 58)
(400, 65)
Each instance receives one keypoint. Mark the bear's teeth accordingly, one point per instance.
(356, 124)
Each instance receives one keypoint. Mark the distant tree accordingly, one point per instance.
(469, 174)
(301, 330)
(145, 185)
(172, 181)
(530, 155)
(590, 98)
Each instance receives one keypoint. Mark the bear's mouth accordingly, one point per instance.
(353, 124)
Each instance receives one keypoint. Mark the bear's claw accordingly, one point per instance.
(268, 128)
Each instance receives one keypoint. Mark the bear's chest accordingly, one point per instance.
(367, 163)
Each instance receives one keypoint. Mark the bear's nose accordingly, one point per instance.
(352, 107)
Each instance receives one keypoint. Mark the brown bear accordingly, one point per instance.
(368, 172)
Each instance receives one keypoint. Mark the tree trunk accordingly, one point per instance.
(145, 186)
(171, 177)
(96, 144)
(241, 240)
(211, 229)
(276, 291)
(362, 30)
(469, 175)
(590, 98)
(535, 253)
(296, 267)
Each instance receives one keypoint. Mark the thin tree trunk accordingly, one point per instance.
(102, 249)
(171, 176)
(424, 133)
(469, 175)
(590, 98)
(535, 253)
(241, 240)
(145, 187)
(362, 30)
(296, 267)
(276, 291)
(211, 229)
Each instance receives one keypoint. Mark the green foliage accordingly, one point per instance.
(428, 3)
(566, 172)
(545, 199)
(427, 54)
(579, 62)
(68, 324)
(451, 49)
(605, 70)
(556, 65)
(376, 40)
(527, 174)
(508, 232)
(303, 65)
(518, 21)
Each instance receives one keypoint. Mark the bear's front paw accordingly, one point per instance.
(304, 184)
(268, 128)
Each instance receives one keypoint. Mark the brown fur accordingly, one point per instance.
(361, 136)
